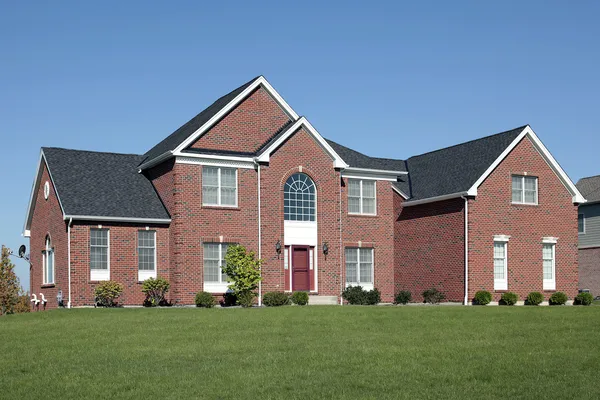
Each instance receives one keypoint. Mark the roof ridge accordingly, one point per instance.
(363, 154)
(470, 141)
(92, 151)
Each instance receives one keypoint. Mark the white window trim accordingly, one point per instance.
(360, 202)
(218, 204)
(537, 191)
(98, 274)
(501, 284)
(48, 249)
(583, 220)
(146, 274)
(549, 284)
(365, 286)
(215, 287)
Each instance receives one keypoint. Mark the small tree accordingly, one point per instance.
(9, 284)
(243, 272)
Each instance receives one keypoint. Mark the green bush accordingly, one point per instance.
(509, 299)
(356, 295)
(205, 299)
(584, 299)
(483, 297)
(558, 299)
(433, 296)
(300, 298)
(246, 299)
(534, 299)
(403, 297)
(155, 291)
(276, 299)
(107, 293)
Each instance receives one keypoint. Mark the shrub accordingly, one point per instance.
(356, 295)
(433, 296)
(584, 299)
(372, 297)
(229, 299)
(107, 293)
(403, 297)
(23, 303)
(483, 297)
(276, 299)
(300, 298)
(246, 299)
(509, 299)
(9, 284)
(535, 298)
(155, 291)
(558, 299)
(205, 299)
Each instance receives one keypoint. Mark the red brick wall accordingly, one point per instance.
(492, 213)
(123, 260)
(589, 270)
(429, 242)
(163, 179)
(246, 127)
(48, 220)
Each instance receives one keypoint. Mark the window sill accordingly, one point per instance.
(525, 204)
(362, 215)
(230, 208)
(48, 285)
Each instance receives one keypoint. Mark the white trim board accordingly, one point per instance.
(117, 219)
(227, 162)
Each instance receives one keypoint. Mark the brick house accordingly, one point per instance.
(499, 211)
(589, 235)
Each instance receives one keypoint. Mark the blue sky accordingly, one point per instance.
(390, 79)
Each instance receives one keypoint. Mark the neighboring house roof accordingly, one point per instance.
(590, 188)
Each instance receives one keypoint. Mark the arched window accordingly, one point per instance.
(48, 261)
(299, 198)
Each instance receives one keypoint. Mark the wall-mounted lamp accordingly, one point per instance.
(325, 248)
(278, 248)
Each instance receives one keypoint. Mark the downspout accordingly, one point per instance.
(259, 234)
(466, 302)
(341, 249)
(69, 258)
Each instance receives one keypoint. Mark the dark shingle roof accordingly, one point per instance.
(590, 188)
(102, 184)
(180, 135)
(455, 169)
(358, 160)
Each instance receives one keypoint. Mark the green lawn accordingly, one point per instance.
(303, 352)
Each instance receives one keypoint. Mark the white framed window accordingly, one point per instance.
(146, 255)
(500, 264)
(215, 280)
(99, 254)
(549, 263)
(524, 189)
(362, 197)
(48, 262)
(359, 267)
(299, 198)
(219, 186)
(581, 223)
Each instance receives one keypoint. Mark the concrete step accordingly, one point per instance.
(322, 300)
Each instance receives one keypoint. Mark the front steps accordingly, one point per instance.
(322, 300)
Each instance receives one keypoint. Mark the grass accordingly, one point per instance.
(303, 352)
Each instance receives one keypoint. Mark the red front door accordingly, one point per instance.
(300, 266)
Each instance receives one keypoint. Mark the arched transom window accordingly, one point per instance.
(299, 198)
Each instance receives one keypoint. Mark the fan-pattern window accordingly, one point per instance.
(500, 266)
(359, 267)
(361, 196)
(525, 189)
(214, 258)
(48, 262)
(219, 186)
(146, 254)
(548, 256)
(299, 198)
(99, 254)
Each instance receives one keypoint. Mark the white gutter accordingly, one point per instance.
(118, 219)
(259, 235)
(434, 199)
(375, 171)
(157, 160)
(466, 303)
(69, 258)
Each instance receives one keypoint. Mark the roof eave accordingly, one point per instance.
(435, 199)
(117, 219)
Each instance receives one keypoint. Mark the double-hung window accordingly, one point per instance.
(581, 223)
(549, 264)
(219, 186)
(361, 197)
(146, 255)
(500, 264)
(359, 267)
(48, 262)
(524, 189)
(99, 254)
(215, 280)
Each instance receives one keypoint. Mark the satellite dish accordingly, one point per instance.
(22, 250)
